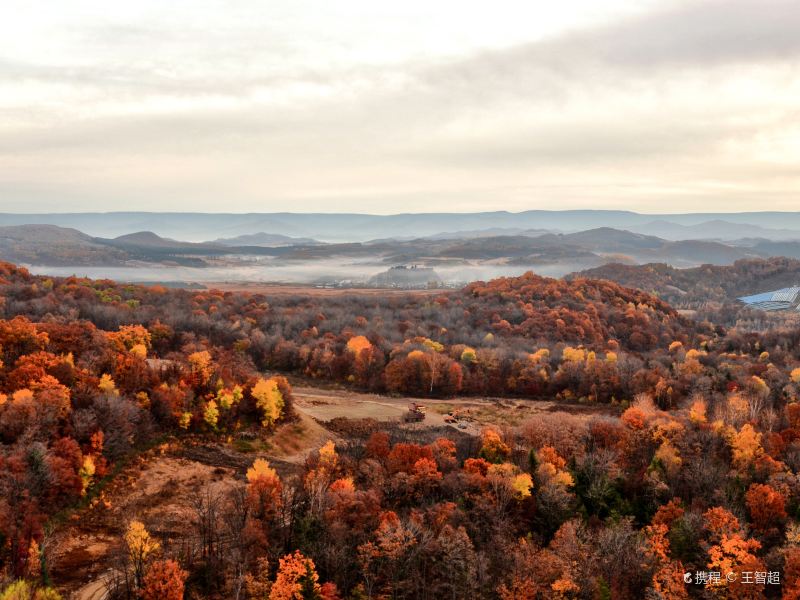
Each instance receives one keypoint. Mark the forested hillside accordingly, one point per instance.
(709, 283)
(508, 336)
(691, 465)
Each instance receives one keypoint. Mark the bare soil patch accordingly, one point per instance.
(324, 405)
(157, 489)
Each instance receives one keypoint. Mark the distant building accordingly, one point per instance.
(783, 299)
(406, 277)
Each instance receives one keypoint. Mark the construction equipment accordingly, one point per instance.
(415, 414)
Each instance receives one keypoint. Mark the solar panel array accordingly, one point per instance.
(783, 299)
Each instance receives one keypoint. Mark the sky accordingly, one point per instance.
(388, 107)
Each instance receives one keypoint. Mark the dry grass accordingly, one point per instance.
(293, 441)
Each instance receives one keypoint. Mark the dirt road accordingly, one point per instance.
(96, 590)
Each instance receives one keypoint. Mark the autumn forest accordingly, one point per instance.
(623, 444)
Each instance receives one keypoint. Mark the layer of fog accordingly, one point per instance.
(316, 272)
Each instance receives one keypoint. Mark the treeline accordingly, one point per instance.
(487, 338)
(530, 337)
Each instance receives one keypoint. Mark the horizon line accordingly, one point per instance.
(367, 214)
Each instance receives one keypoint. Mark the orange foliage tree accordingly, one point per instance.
(767, 506)
(164, 580)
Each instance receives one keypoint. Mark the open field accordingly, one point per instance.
(326, 404)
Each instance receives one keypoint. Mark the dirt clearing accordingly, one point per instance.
(473, 413)
(158, 489)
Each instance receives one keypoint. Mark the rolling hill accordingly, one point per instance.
(363, 227)
(48, 244)
(701, 284)
(270, 240)
(456, 259)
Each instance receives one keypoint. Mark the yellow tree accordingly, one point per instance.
(132, 338)
(746, 446)
(551, 469)
(211, 414)
(200, 364)
(107, 385)
(269, 400)
(669, 458)
(571, 354)
(226, 398)
(86, 473)
(319, 478)
(493, 448)
(366, 360)
(260, 470)
(140, 548)
(468, 356)
(263, 501)
(508, 483)
(697, 412)
(522, 485)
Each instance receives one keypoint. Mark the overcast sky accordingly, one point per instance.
(412, 106)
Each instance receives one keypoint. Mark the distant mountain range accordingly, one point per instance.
(198, 227)
(52, 245)
(716, 229)
(459, 256)
(269, 240)
(48, 244)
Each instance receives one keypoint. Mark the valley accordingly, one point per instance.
(444, 259)
(400, 301)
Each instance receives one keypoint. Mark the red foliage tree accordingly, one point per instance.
(767, 506)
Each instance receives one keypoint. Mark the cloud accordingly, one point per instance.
(695, 100)
(698, 35)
